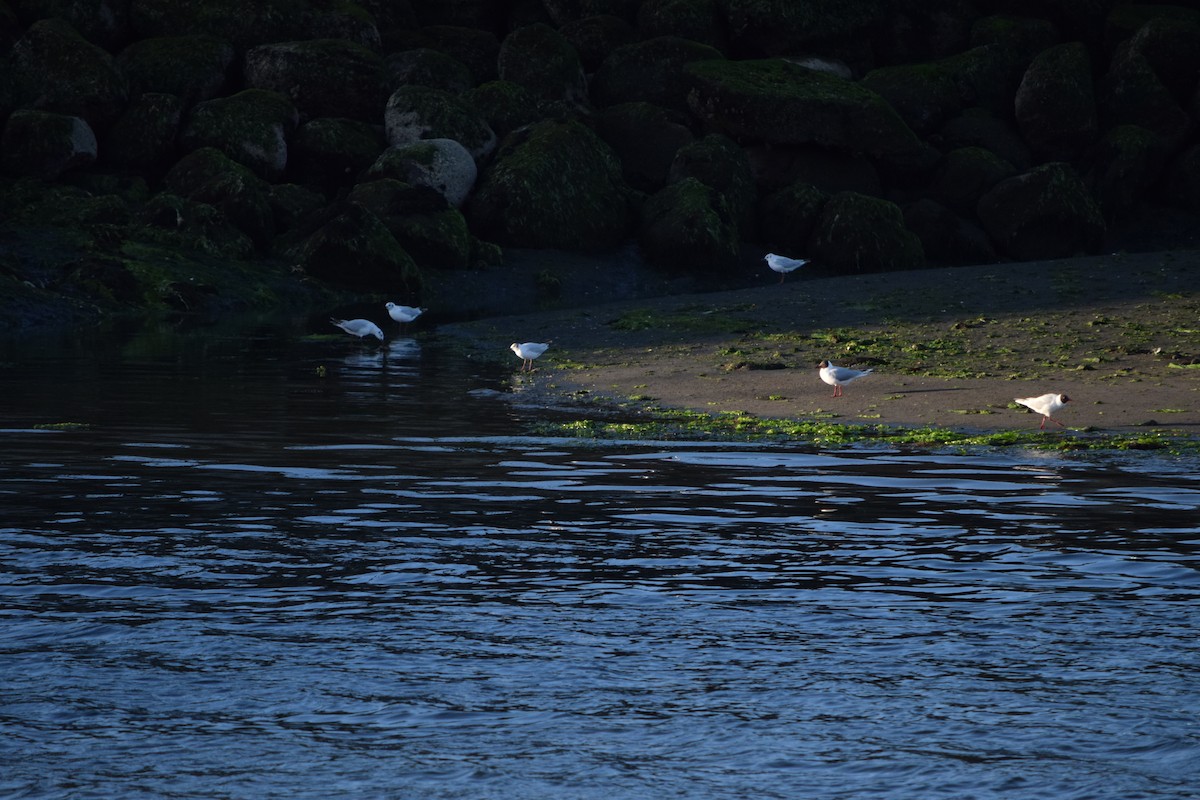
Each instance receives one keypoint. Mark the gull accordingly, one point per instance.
(783, 265)
(527, 352)
(1047, 405)
(403, 314)
(359, 327)
(837, 377)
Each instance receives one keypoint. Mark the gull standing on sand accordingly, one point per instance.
(783, 265)
(527, 352)
(359, 327)
(403, 314)
(1047, 405)
(837, 377)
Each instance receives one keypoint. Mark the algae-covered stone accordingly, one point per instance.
(946, 238)
(1056, 105)
(787, 217)
(504, 105)
(249, 24)
(40, 144)
(423, 66)
(414, 113)
(1046, 212)
(1172, 49)
(978, 127)
(193, 68)
(443, 165)
(194, 225)
(101, 22)
(144, 137)
(251, 127)
(355, 249)
(475, 48)
(782, 103)
(646, 139)
(965, 175)
(595, 37)
(773, 28)
(1121, 169)
(696, 20)
(426, 226)
(553, 184)
(208, 176)
(856, 233)
(1130, 93)
(539, 58)
(329, 153)
(717, 161)
(651, 71)
(55, 69)
(689, 228)
(322, 77)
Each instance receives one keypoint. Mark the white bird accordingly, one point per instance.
(527, 352)
(783, 265)
(837, 377)
(404, 314)
(1047, 405)
(359, 327)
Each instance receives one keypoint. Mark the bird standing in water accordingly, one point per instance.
(403, 314)
(359, 327)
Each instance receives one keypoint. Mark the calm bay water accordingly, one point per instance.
(243, 579)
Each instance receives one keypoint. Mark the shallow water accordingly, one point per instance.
(245, 579)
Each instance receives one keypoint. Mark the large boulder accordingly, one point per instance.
(208, 176)
(777, 102)
(329, 153)
(964, 175)
(646, 139)
(1121, 169)
(101, 22)
(946, 238)
(442, 165)
(322, 77)
(1046, 212)
(778, 166)
(856, 233)
(143, 139)
(718, 162)
(1132, 94)
(355, 249)
(414, 113)
(553, 184)
(55, 69)
(696, 20)
(651, 71)
(1171, 46)
(787, 217)
(425, 225)
(423, 66)
(541, 59)
(504, 105)
(251, 127)
(193, 68)
(475, 48)
(688, 227)
(776, 29)
(1056, 104)
(249, 24)
(978, 127)
(595, 37)
(44, 145)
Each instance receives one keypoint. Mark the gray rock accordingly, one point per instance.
(414, 113)
(443, 165)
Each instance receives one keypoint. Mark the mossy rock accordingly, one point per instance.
(965, 175)
(41, 144)
(1172, 48)
(719, 162)
(504, 105)
(178, 222)
(696, 20)
(788, 217)
(443, 165)
(423, 66)
(1046, 212)
(646, 139)
(1056, 104)
(652, 71)
(1122, 169)
(251, 127)
(947, 239)
(475, 48)
(541, 59)
(777, 102)
(414, 113)
(430, 230)
(979, 127)
(193, 68)
(856, 233)
(53, 68)
(322, 77)
(688, 227)
(553, 184)
(595, 37)
(143, 139)
(292, 204)
(924, 95)
(355, 249)
(330, 153)
(208, 176)
(249, 24)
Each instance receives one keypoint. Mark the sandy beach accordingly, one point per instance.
(1119, 334)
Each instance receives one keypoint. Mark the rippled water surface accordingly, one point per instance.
(233, 577)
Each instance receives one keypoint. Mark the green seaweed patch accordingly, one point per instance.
(62, 426)
(663, 424)
(695, 319)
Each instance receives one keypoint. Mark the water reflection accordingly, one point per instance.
(247, 578)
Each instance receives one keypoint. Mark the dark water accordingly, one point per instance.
(244, 580)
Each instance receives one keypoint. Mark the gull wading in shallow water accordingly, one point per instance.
(1047, 405)
(359, 327)
(837, 377)
(403, 314)
(527, 352)
(783, 265)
